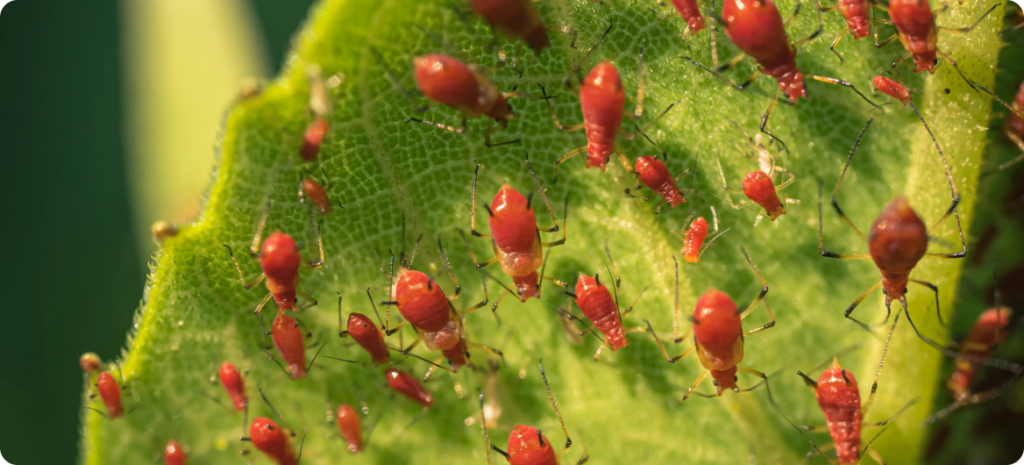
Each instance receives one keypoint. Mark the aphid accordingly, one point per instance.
(718, 336)
(110, 392)
(690, 11)
(174, 454)
(758, 186)
(288, 339)
(757, 29)
(313, 137)
(272, 440)
(527, 445)
(855, 13)
(90, 363)
(312, 190)
(916, 29)
(1013, 126)
(693, 237)
(366, 334)
(652, 173)
(233, 383)
(321, 107)
(989, 331)
(466, 88)
(516, 19)
(406, 385)
(515, 236)
(602, 98)
(898, 239)
(839, 400)
(348, 426)
(163, 230)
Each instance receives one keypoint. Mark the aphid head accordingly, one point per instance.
(280, 257)
(605, 77)
(527, 286)
(360, 327)
(725, 379)
(836, 381)
(925, 62)
(526, 439)
(270, 438)
(90, 362)
(897, 241)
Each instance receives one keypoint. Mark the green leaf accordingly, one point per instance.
(626, 408)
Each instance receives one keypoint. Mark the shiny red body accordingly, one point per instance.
(695, 239)
(288, 339)
(456, 355)
(517, 19)
(856, 12)
(315, 192)
(1015, 124)
(656, 177)
(280, 261)
(718, 332)
(421, 301)
(690, 12)
(271, 440)
(984, 334)
(897, 241)
(601, 98)
(524, 447)
(90, 362)
(598, 305)
(406, 385)
(313, 137)
(518, 246)
(892, 88)
(368, 337)
(110, 392)
(447, 80)
(234, 384)
(840, 402)
(755, 26)
(348, 426)
(916, 28)
(758, 187)
(174, 454)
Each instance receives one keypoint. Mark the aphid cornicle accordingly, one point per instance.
(516, 19)
(718, 336)
(407, 385)
(233, 383)
(348, 426)
(272, 441)
(110, 392)
(515, 236)
(174, 454)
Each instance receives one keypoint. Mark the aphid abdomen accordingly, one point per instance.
(839, 400)
(524, 447)
(348, 427)
(110, 392)
(1015, 124)
(690, 12)
(288, 339)
(368, 337)
(718, 331)
(316, 194)
(271, 440)
(445, 338)
(916, 28)
(656, 177)
(756, 28)
(695, 239)
(599, 307)
(758, 187)
(983, 335)
(421, 301)
(601, 99)
(517, 19)
(897, 241)
(313, 138)
(527, 285)
(892, 88)
(447, 80)
(514, 229)
(234, 385)
(856, 14)
(404, 384)
(725, 379)
(456, 355)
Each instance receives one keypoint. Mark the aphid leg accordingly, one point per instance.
(950, 352)
(554, 404)
(849, 310)
(1001, 102)
(459, 130)
(1016, 141)
(817, 32)
(729, 190)
(575, 127)
(487, 135)
(724, 79)
(544, 195)
(835, 205)
(881, 362)
(760, 296)
(677, 337)
(320, 247)
(731, 63)
(764, 121)
(310, 301)
(263, 303)
(951, 210)
(444, 260)
(241, 277)
(643, 131)
(964, 30)
(934, 289)
(638, 109)
(476, 174)
(969, 400)
(696, 383)
(567, 157)
(408, 96)
(576, 65)
(664, 352)
(867, 447)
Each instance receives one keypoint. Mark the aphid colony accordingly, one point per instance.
(897, 240)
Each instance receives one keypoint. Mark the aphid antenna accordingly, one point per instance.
(547, 204)
(349, 361)
(407, 95)
(317, 354)
(638, 109)
(554, 404)
(342, 332)
(271, 357)
(406, 354)
(577, 65)
(577, 319)
(972, 399)
(448, 268)
(508, 290)
(483, 424)
(274, 411)
(996, 97)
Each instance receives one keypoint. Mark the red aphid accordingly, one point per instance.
(989, 330)
(234, 385)
(916, 28)
(695, 239)
(368, 337)
(690, 12)
(313, 137)
(348, 426)
(406, 385)
(457, 355)
(601, 99)
(756, 28)
(758, 187)
(90, 362)
(1014, 124)
(110, 392)
(271, 440)
(855, 12)
(839, 400)
(288, 339)
(717, 330)
(517, 245)
(653, 173)
(316, 194)
(524, 447)
(598, 305)
(425, 306)
(516, 19)
(447, 80)
(897, 241)
(280, 261)
(892, 88)
(174, 454)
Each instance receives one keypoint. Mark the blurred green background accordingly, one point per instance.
(109, 114)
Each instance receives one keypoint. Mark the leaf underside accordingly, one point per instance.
(626, 408)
